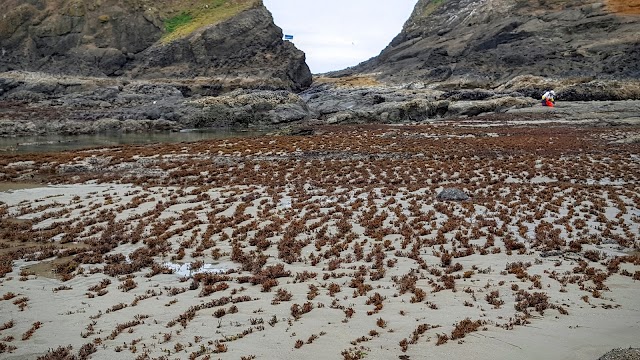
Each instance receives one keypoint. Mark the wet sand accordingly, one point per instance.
(330, 246)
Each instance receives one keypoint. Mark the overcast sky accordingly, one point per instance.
(336, 34)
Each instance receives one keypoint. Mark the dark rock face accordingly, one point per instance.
(477, 43)
(69, 37)
(114, 38)
(247, 48)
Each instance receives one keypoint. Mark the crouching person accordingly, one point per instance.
(549, 98)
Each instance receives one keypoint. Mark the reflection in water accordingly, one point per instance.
(54, 143)
(11, 186)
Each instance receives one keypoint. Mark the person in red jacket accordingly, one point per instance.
(549, 98)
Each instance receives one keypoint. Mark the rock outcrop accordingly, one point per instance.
(72, 67)
(484, 43)
(472, 57)
(232, 43)
(40, 104)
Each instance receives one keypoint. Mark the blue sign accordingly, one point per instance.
(288, 37)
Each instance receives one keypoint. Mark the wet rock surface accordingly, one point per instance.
(604, 113)
(38, 104)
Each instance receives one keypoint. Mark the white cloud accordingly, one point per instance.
(335, 34)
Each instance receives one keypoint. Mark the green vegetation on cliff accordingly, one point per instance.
(195, 14)
(170, 25)
(432, 6)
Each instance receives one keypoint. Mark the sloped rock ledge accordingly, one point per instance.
(36, 104)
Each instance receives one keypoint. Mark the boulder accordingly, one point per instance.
(452, 194)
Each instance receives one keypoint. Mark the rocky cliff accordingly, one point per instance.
(232, 43)
(472, 57)
(480, 43)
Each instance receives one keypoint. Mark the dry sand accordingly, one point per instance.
(330, 246)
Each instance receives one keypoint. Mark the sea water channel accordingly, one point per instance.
(56, 143)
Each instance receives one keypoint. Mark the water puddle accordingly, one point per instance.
(46, 268)
(55, 143)
(12, 186)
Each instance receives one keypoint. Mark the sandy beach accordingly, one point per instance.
(335, 245)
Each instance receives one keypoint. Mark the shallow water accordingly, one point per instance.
(55, 143)
(10, 186)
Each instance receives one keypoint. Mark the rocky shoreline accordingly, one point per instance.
(38, 104)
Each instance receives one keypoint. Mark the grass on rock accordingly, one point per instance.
(195, 14)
